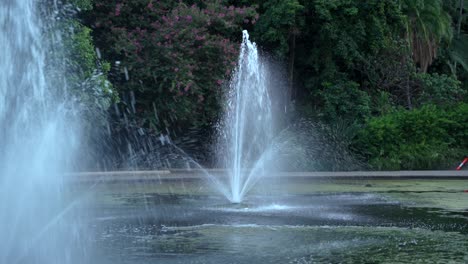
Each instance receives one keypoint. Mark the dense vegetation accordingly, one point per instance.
(396, 70)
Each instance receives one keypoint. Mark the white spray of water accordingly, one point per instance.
(38, 139)
(247, 128)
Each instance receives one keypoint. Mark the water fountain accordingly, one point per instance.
(247, 130)
(38, 139)
(179, 220)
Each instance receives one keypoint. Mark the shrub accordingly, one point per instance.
(440, 89)
(430, 137)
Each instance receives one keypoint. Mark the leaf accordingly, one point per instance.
(459, 51)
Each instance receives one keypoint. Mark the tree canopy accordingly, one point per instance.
(373, 64)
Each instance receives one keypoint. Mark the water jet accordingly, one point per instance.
(39, 137)
(246, 131)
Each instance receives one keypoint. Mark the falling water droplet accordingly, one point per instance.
(127, 77)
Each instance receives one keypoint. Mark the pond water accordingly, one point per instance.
(332, 222)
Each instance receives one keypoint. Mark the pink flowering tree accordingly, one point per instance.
(177, 55)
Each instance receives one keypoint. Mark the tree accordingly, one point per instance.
(279, 26)
(173, 56)
(427, 25)
(458, 51)
(337, 40)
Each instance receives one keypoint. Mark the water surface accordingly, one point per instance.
(372, 222)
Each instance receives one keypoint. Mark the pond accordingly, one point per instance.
(298, 221)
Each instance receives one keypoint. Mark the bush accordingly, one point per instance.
(430, 137)
(440, 89)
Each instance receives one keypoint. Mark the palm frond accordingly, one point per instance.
(459, 51)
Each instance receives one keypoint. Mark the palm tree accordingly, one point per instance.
(459, 47)
(427, 25)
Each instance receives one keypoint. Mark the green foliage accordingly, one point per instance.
(280, 20)
(344, 100)
(382, 103)
(80, 49)
(82, 4)
(352, 62)
(352, 28)
(340, 38)
(459, 52)
(427, 138)
(87, 77)
(440, 89)
(427, 25)
(74, 54)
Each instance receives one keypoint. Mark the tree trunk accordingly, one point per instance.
(408, 94)
(460, 18)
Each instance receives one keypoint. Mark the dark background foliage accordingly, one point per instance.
(394, 71)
